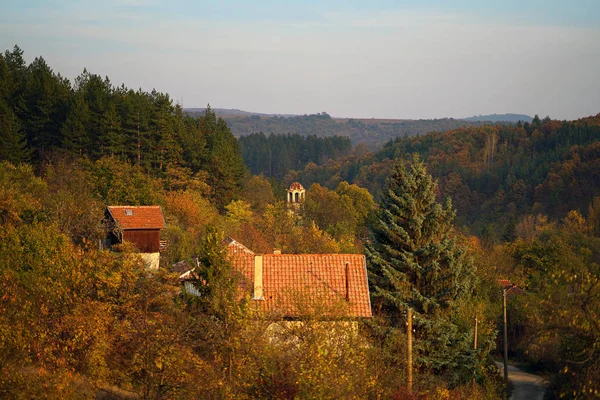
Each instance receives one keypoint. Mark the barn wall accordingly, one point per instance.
(146, 240)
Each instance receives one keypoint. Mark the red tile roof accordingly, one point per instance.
(296, 186)
(142, 217)
(235, 247)
(295, 284)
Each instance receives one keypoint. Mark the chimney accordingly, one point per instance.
(347, 281)
(276, 251)
(258, 278)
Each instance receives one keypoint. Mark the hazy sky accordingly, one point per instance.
(386, 59)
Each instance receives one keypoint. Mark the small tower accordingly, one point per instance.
(295, 195)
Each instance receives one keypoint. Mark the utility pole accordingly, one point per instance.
(505, 338)
(475, 339)
(475, 347)
(410, 361)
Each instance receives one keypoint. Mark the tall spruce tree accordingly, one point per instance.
(414, 262)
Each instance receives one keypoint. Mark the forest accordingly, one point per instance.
(370, 132)
(495, 175)
(274, 155)
(440, 217)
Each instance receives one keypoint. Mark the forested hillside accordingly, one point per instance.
(500, 118)
(372, 132)
(43, 114)
(274, 155)
(495, 175)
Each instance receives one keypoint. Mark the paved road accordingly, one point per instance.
(525, 386)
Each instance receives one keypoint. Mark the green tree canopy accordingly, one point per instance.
(415, 263)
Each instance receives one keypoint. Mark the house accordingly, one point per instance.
(288, 285)
(330, 290)
(138, 225)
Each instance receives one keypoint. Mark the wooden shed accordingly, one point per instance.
(139, 225)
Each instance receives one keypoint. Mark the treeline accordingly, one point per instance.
(372, 132)
(42, 113)
(274, 155)
(495, 175)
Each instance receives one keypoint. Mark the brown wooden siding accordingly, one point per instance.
(146, 240)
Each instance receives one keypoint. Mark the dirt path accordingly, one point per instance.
(526, 386)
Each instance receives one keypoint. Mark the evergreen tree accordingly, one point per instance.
(166, 150)
(225, 165)
(75, 136)
(16, 74)
(13, 146)
(415, 263)
(134, 119)
(191, 140)
(5, 82)
(47, 99)
(97, 94)
(115, 141)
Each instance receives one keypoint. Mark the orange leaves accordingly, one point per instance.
(191, 210)
(20, 194)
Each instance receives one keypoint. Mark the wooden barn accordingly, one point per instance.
(138, 225)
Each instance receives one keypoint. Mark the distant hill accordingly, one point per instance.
(230, 113)
(499, 118)
(373, 132)
(546, 168)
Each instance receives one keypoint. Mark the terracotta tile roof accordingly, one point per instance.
(296, 186)
(294, 284)
(235, 247)
(137, 217)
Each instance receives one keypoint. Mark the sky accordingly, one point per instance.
(361, 59)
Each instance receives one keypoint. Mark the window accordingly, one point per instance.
(128, 212)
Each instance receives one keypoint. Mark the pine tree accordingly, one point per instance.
(166, 149)
(415, 263)
(47, 99)
(75, 137)
(114, 142)
(225, 164)
(16, 72)
(191, 140)
(13, 146)
(96, 93)
(133, 111)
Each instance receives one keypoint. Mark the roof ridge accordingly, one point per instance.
(154, 206)
(313, 254)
